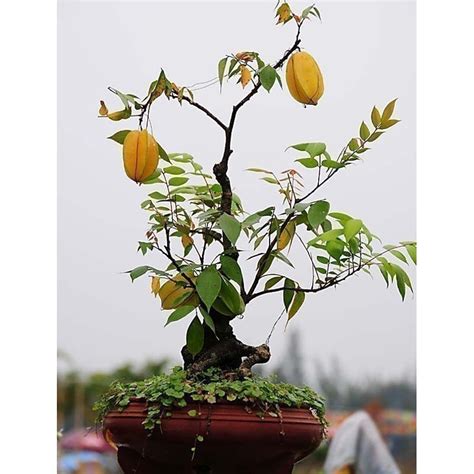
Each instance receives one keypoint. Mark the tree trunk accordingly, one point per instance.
(224, 351)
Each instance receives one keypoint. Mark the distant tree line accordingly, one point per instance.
(77, 392)
(342, 391)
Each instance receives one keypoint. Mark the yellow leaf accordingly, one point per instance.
(155, 285)
(245, 75)
(284, 13)
(187, 240)
(120, 115)
(286, 235)
(103, 109)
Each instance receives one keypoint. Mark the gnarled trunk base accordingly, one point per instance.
(225, 351)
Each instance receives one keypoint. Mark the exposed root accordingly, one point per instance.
(228, 355)
(260, 355)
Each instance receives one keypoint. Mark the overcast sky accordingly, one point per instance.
(366, 52)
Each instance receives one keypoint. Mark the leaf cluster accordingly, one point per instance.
(186, 221)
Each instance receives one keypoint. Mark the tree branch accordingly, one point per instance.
(329, 283)
(202, 109)
(220, 169)
(168, 254)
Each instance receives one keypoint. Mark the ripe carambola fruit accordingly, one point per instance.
(140, 155)
(304, 78)
(173, 295)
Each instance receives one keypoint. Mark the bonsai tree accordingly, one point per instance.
(209, 256)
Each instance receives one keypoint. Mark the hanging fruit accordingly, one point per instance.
(140, 155)
(304, 78)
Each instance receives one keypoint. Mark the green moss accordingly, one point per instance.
(177, 389)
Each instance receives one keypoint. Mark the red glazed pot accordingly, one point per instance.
(235, 441)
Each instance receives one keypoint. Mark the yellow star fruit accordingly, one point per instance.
(304, 78)
(140, 155)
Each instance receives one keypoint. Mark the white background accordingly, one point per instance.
(104, 320)
(28, 304)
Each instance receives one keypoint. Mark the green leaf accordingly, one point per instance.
(192, 413)
(411, 250)
(208, 285)
(231, 297)
(389, 123)
(278, 78)
(221, 69)
(333, 164)
(178, 314)
(400, 283)
(173, 170)
(157, 195)
(299, 146)
(138, 272)
(195, 337)
(119, 137)
(403, 276)
(399, 255)
(353, 144)
(145, 247)
(297, 303)
(280, 256)
(388, 110)
(308, 162)
(364, 131)
(266, 263)
(313, 149)
(384, 273)
(335, 249)
(316, 149)
(288, 293)
(375, 117)
(163, 155)
(207, 319)
(351, 228)
(231, 269)
(178, 181)
(270, 180)
(259, 170)
(325, 236)
(267, 77)
(230, 226)
(272, 282)
(233, 67)
(154, 177)
(340, 216)
(317, 213)
(374, 136)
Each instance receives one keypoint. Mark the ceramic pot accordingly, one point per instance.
(235, 441)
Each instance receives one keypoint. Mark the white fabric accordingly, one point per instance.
(358, 442)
